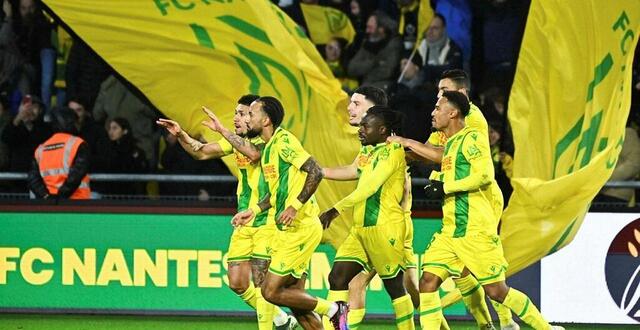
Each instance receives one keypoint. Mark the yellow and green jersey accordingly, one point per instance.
(378, 195)
(252, 186)
(474, 119)
(469, 184)
(282, 158)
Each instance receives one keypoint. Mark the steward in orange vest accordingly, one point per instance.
(60, 165)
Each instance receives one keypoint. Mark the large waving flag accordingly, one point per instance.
(568, 109)
(325, 23)
(185, 54)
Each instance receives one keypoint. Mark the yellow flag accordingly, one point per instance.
(185, 54)
(568, 108)
(325, 23)
(425, 15)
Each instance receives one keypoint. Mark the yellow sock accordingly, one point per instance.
(520, 304)
(504, 313)
(403, 308)
(443, 324)
(335, 295)
(473, 297)
(430, 310)
(355, 317)
(264, 311)
(323, 306)
(249, 296)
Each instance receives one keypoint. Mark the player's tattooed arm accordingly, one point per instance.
(314, 176)
(245, 147)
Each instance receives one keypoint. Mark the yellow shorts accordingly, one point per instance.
(293, 249)
(480, 252)
(352, 250)
(251, 242)
(411, 260)
(380, 247)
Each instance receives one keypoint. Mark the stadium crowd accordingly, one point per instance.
(44, 67)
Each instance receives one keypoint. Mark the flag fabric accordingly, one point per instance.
(425, 15)
(186, 54)
(325, 23)
(568, 108)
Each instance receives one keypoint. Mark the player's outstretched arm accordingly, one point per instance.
(342, 173)
(195, 148)
(422, 150)
(242, 145)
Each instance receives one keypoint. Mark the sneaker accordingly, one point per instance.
(511, 326)
(291, 324)
(339, 319)
(488, 327)
(557, 327)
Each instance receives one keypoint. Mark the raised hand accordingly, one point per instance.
(213, 123)
(172, 126)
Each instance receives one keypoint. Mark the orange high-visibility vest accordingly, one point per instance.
(55, 157)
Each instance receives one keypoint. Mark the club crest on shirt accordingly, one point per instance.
(269, 171)
(446, 163)
(363, 160)
(242, 160)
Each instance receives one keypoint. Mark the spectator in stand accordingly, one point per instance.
(117, 100)
(85, 72)
(175, 160)
(627, 169)
(408, 22)
(121, 155)
(26, 131)
(92, 132)
(376, 62)
(502, 158)
(60, 164)
(410, 75)
(5, 119)
(358, 13)
(27, 26)
(333, 55)
(438, 51)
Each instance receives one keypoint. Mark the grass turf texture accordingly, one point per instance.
(59, 322)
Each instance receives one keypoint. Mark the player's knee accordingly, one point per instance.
(270, 294)
(429, 282)
(394, 286)
(337, 280)
(238, 285)
(496, 291)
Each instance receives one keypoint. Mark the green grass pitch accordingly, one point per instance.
(98, 322)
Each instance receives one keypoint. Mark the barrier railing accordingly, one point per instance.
(104, 177)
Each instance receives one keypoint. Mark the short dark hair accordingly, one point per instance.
(273, 108)
(385, 21)
(64, 121)
(458, 100)
(247, 99)
(392, 120)
(459, 77)
(376, 95)
(444, 21)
